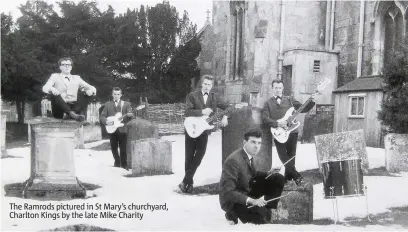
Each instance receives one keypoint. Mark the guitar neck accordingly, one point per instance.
(227, 111)
(301, 108)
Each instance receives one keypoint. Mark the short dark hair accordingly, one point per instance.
(116, 89)
(64, 59)
(207, 77)
(277, 81)
(253, 132)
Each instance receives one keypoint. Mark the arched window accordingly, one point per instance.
(390, 18)
(237, 36)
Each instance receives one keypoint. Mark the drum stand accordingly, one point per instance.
(336, 209)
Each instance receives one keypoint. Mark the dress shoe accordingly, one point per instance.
(116, 165)
(299, 181)
(183, 187)
(76, 117)
(189, 188)
(232, 220)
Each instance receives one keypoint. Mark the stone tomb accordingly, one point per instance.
(233, 135)
(396, 152)
(3, 133)
(52, 160)
(296, 205)
(137, 129)
(151, 157)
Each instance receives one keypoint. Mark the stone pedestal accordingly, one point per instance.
(3, 133)
(233, 135)
(396, 152)
(151, 157)
(297, 206)
(79, 138)
(138, 129)
(52, 160)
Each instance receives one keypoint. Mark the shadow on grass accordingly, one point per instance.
(381, 171)
(16, 189)
(79, 227)
(153, 173)
(105, 146)
(396, 216)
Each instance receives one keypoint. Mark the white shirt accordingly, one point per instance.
(250, 162)
(205, 96)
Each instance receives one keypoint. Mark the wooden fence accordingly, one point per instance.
(168, 118)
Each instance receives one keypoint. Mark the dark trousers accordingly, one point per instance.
(286, 151)
(59, 106)
(118, 139)
(194, 150)
(270, 188)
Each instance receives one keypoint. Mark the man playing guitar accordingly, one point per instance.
(274, 109)
(123, 110)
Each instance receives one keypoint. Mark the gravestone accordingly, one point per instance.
(151, 156)
(52, 160)
(396, 152)
(233, 135)
(296, 205)
(3, 133)
(137, 129)
(341, 146)
(87, 133)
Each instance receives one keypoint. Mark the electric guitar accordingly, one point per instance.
(282, 134)
(195, 126)
(117, 120)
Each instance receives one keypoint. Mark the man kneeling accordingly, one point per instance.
(244, 192)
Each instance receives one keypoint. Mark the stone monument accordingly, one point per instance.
(151, 157)
(233, 135)
(52, 160)
(137, 129)
(396, 152)
(3, 133)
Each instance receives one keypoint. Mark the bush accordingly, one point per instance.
(394, 107)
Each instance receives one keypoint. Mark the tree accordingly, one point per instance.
(23, 61)
(394, 107)
(183, 67)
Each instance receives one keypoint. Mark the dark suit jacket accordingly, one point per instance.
(195, 103)
(235, 177)
(273, 111)
(110, 110)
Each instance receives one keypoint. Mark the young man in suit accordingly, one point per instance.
(242, 186)
(274, 109)
(199, 103)
(63, 88)
(118, 138)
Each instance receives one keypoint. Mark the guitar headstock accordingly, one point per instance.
(241, 105)
(322, 85)
(140, 107)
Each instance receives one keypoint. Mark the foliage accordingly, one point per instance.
(134, 50)
(394, 108)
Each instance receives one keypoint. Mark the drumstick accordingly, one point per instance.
(276, 198)
(281, 166)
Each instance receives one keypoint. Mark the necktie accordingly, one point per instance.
(251, 161)
(67, 78)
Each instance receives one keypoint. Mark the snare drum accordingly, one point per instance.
(343, 178)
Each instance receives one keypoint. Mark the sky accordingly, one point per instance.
(195, 8)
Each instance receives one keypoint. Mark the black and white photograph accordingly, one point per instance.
(204, 115)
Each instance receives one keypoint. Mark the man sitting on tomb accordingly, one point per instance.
(63, 88)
